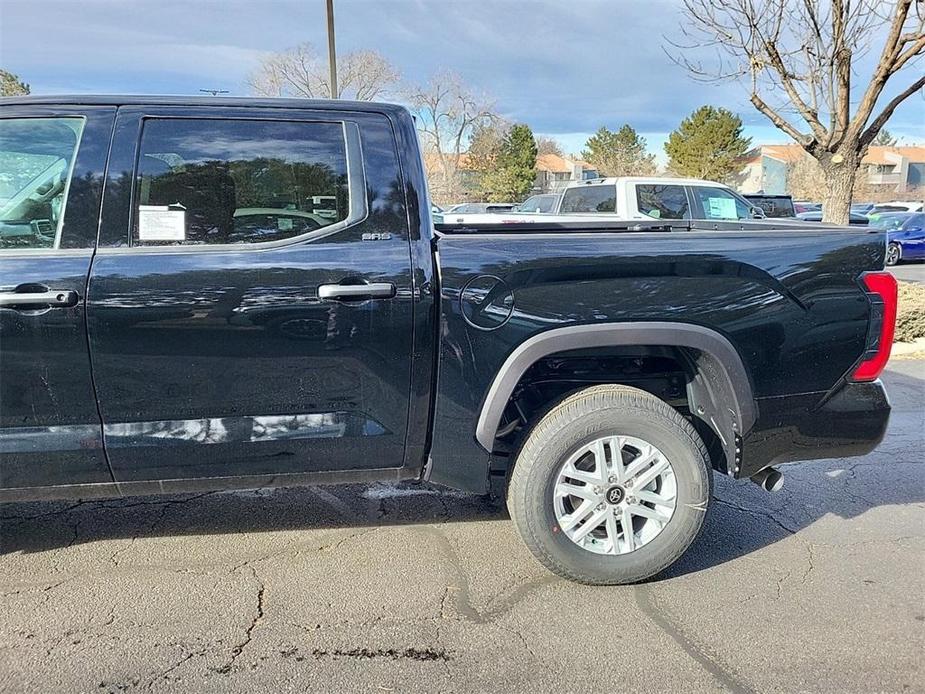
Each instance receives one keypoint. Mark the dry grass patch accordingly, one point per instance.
(910, 318)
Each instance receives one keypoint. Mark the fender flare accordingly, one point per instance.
(721, 374)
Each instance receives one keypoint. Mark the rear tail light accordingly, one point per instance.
(881, 292)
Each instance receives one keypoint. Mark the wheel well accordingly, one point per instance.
(667, 372)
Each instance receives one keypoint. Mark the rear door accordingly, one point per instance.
(662, 201)
(51, 171)
(251, 302)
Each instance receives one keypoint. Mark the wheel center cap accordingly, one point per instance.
(615, 494)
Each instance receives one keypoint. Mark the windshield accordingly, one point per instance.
(916, 221)
(889, 221)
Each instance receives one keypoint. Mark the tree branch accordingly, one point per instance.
(884, 69)
(778, 120)
(871, 132)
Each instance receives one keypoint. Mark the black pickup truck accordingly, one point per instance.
(201, 294)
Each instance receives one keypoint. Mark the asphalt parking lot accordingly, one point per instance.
(381, 588)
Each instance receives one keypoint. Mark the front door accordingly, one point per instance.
(250, 304)
(51, 172)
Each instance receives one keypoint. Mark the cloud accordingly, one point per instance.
(563, 66)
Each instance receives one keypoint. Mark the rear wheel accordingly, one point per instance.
(611, 486)
(894, 254)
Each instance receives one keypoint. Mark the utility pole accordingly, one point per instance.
(332, 54)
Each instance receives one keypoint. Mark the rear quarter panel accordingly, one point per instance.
(787, 299)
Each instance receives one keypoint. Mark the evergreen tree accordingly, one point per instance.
(885, 139)
(11, 85)
(514, 171)
(708, 144)
(621, 153)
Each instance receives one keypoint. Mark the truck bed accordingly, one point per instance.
(546, 224)
(787, 296)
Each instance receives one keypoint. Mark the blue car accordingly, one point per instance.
(905, 235)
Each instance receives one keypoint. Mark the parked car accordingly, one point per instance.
(905, 235)
(889, 220)
(544, 203)
(803, 206)
(816, 216)
(897, 206)
(862, 207)
(775, 206)
(596, 374)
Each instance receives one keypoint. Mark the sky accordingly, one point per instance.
(565, 67)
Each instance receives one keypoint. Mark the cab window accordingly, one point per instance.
(662, 201)
(601, 198)
(719, 203)
(238, 181)
(36, 163)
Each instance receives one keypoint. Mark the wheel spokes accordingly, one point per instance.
(572, 519)
(646, 512)
(626, 520)
(599, 518)
(574, 473)
(593, 522)
(653, 498)
(645, 478)
(582, 492)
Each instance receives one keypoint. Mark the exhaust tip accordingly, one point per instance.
(769, 479)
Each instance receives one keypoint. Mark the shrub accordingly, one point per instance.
(910, 318)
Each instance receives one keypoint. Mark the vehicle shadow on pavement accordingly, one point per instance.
(742, 519)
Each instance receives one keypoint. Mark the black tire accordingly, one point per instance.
(894, 254)
(582, 417)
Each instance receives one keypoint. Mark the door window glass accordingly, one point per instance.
(36, 162)
(662, 202)
(601, 198)
(718, 203)
(238, 181)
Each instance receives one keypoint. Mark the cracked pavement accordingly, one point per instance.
(378, 588)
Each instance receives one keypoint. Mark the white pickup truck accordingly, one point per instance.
(629, 198)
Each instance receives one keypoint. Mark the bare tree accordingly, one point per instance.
(548, 145)
(448, 112)
(298, 71)
(798, 57)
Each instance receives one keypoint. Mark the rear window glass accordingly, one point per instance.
(238, 181)
(662, 202)
(590, 199)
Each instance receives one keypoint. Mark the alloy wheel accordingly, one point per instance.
(614, 495)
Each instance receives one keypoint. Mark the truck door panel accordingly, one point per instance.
(52, 161)
(219, 355)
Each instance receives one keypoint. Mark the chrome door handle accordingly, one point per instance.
(57, 298)
(376, 290)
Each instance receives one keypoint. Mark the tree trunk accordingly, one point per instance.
(838, 171)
